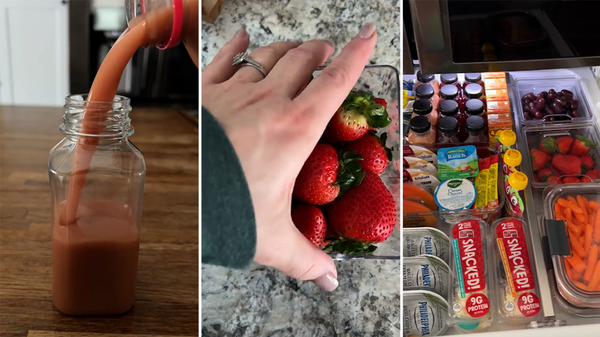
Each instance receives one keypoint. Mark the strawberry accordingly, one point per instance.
(381, 102)
(325, 176)
(310, 221)
(376, 156)
(564, 144)
(594, 174)
(587, 162)
(585, 180)
(581, 146)
(552, 179)
(567, 164)
(570, 180)
(538, 159)
(544, 174)
(365, 213)
(355, 117)
(559, 181)
(554, 170)
(548, 145)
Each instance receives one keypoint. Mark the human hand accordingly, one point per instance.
(274, 127)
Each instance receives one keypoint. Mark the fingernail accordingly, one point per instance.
(241, 32)
(327, 282)
(366, 31)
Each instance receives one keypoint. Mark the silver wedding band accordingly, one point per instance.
(244, 60)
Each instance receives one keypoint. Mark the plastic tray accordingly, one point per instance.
(561, 80)
(533, 135)
(572, 298)
(384, 82)
(487, 214)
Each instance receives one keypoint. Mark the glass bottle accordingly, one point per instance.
(452, 79)
(448, 131)
(475, 107)
(423, 107)
(95, 254)
(476, 130)
(168, 22)
(425, 91)
(474, 91)
(420, 131)
(450, 109)
(428, 79)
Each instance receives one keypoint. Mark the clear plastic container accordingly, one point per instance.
(573, 291)
(384, 82)
(472, 295)
(535, 135)
(524, 85)
(517, 296)
(168, 22)
(96, 209)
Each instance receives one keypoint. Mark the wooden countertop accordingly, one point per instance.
(166, 301)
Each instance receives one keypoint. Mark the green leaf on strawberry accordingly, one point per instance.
(349, 247)
(362, 102)
(350, 173)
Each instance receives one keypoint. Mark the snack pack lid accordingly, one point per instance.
(512, 158)
(518, 181)
(508, 138)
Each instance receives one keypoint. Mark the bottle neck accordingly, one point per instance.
(103, 121)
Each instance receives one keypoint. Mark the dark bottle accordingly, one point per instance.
(476, 130)
(448, 131)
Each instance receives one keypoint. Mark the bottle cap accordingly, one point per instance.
(473, 90)
(424, 78)
(474, 107)
(473, 77)
(507, 137)
(518, 181)
(448, 78)
(419, 124)
(424, 91)
(475, 124)
(448, 107)
(512, 158)
(422, 107)
(448, 126)
(449, 92)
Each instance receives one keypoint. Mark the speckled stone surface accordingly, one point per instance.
(261, 301)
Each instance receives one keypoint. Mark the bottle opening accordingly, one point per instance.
(85, 118)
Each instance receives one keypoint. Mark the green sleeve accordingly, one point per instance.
(228, 223)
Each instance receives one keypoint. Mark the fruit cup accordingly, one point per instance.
(560, 153)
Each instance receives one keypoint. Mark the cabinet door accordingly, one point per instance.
(34, 52)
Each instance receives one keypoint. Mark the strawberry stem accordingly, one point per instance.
(362, 102)
(349, 247)
(350, 173)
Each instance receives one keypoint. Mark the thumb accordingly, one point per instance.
(305, 262)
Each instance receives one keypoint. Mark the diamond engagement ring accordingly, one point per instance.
(243, 60)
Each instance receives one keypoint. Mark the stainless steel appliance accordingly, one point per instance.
(449, 36)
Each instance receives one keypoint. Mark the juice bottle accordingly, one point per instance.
(420, 131)
(451, 79)
(450, 109)
(428, 79)
(476, 130)
(425, 91)
(475, 107)
(448, 131)
(423, 107)
(448, 92)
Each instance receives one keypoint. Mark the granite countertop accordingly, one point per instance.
(261, 301)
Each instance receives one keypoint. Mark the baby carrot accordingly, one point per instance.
(581, 217)
(569, 270)
(596, 225)
(582, 202)
(568, 214)
(595, 277)
(588, 237)
(576, 262)
(591, 263)
(559, 212)
(581, 240)
(576, 275)
(580, 285)
(594, 205)
(563, 202)
(574, 228)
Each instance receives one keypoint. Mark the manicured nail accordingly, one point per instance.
(366, 31)
(241, 32)
(327, 282)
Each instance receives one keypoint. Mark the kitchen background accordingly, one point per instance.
(261, 301)
(51, 48)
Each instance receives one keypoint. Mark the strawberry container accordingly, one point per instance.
(538, 83)
(536, 136)
(576, 287)
(384, 82)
